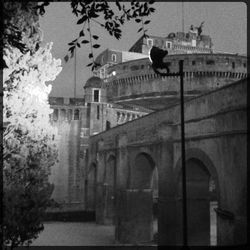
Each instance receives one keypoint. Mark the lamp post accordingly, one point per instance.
(156, 56)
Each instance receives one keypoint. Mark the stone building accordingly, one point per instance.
(77, 119)
(110, 57)
(175, 43)
(119, 145)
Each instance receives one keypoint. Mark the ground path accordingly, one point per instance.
(75, 234)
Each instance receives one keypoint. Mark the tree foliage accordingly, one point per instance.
(108, 15)
(21, 26)
(29, 150)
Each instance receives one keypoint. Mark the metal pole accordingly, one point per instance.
(75, 76)
(184, 189)
(182, 13)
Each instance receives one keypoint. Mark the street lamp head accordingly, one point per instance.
(156, 56)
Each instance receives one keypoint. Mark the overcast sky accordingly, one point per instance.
(225, 22)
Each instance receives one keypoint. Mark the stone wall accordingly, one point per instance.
(68, 175)
(136, 80)
(216, 129)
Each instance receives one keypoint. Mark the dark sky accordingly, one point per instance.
(225, 22)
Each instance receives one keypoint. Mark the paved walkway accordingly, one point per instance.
(75, 234)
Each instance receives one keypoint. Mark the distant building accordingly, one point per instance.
(175, 43)
(110, 57)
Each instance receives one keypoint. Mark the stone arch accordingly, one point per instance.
(91, 186)
(149, 155)
(142, 172)
(202, 197)
(200, 155)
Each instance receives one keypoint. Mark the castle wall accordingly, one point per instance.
(60, 172)
(136, 79)
(68, 175)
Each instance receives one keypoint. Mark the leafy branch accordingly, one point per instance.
(88, 11)
(91, 10)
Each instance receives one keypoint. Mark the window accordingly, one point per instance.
(113, 57)
(108, 125)
(96, 95)
(168, 45)
(233, 65)
(76, 114)
(150, 42)
(210, 62)
(134, 67)
(97, 112)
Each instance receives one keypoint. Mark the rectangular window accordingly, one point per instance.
(96, 95)
(76, 114)
(113, 57)
(97, 112)
(168, 45)
(108, 125)
(210, 62)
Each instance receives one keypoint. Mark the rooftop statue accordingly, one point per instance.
(156, 57)
(196, 30)
(199, 29)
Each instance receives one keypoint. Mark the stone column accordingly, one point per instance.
(167, 217)
(119, 118)
(134, 220)
(100, 189)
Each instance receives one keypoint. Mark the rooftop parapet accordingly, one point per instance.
(192, 63)
(64, 101)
